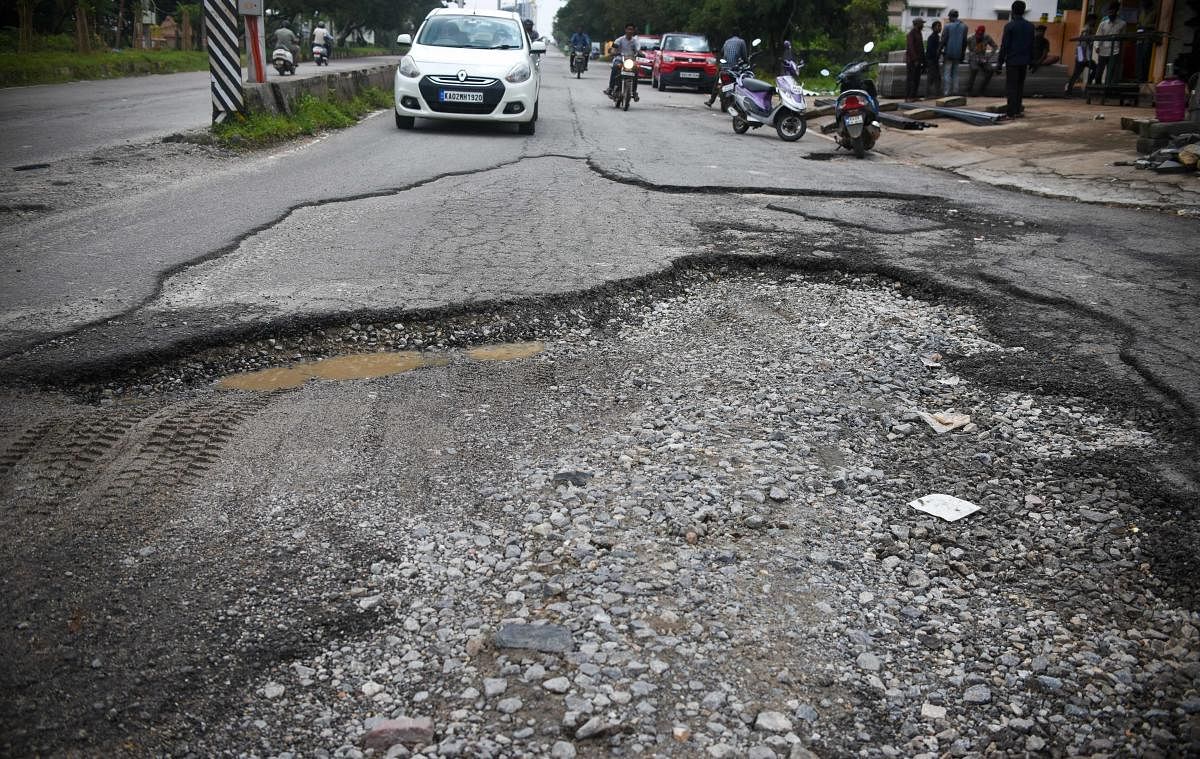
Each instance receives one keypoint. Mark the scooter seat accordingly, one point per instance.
(756, 85)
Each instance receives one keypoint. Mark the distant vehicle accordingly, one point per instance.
(595, 50)
(684, 60)
(648, 44)
(283, 62)
(469, 65)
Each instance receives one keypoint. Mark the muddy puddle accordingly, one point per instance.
(367, 366)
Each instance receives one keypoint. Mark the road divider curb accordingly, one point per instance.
(279, 95)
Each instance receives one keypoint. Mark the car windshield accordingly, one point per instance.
(687, 44)
(473, 32)
(646, 44)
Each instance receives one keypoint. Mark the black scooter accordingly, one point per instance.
(856, 112)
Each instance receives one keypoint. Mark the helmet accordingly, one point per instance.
(527, 23)
(320, 24)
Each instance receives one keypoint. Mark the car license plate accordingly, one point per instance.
(854, 119)
(689, 74)
(727, 88)
(454, 96)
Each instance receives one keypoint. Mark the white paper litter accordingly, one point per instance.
(944, 506)
(944, 421)
(951, 381)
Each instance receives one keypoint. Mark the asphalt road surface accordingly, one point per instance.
(669, 159)
(692, 453)
(52, 122)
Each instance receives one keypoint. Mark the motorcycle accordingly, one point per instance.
(723, 87)
(283, 61)
(754, 102)
(579, 61)
(320, 54)
(856, 112)
(622, 92)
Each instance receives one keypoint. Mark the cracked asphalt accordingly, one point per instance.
(100, 273)
(737, 339)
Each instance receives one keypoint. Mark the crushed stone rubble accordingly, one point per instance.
(723, 561)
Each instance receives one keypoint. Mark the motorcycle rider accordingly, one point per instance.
(322, 37)
(580, 44)
(286, 38)
(733, 52)
(626, 47)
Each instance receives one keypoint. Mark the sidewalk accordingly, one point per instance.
(1062, 148)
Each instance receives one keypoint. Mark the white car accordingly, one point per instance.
(469, 65)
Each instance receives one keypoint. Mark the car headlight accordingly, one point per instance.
(668, 59)
(518, 73)
(710, 61)
(628, 64)
(408, 67)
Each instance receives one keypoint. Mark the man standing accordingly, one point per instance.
(933, 61)
(626, 47)
(1083, 56)
(1108, 52)
(1016, 52)
(981, 48)
(1147, 22)
(954, 52)
(914, 60)
(733, 52)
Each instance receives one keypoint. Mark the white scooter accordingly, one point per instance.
(283, 61)
(320, 54)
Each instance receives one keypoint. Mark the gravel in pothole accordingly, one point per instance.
(705, 517)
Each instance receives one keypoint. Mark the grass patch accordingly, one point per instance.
(50, 67)
(364, 51)
(311, 115)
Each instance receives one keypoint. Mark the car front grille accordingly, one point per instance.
(492, 89)
(471, 81)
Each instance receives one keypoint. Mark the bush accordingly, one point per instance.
(10, 38)
(896, 39)
(51, 67)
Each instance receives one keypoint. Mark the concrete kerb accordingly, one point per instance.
(279, 95)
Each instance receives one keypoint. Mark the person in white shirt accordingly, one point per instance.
(322, 37)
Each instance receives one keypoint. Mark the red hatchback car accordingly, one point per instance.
(684, 60)
(648, 44)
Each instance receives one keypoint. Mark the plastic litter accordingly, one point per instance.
(944, 506)
(944, 421)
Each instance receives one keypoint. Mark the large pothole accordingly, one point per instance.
(705, 482)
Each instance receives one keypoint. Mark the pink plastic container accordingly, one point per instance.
(1170, 100)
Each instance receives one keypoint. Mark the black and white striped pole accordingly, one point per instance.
(224, 61)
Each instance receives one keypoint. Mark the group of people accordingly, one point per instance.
(937, 58)
(288, 40)
(1098, 55)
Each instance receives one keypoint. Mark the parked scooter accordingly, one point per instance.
(622, 91)
(283, 61)
(856, 112)
(579, 61)
(320, 54)
(754, 103)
